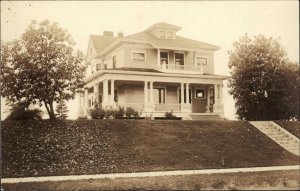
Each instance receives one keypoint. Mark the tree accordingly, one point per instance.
(264, 83)
(62, 110)
(41, 67)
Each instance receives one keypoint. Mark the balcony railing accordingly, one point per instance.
(181, 67)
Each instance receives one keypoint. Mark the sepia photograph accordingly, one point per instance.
(150, 95)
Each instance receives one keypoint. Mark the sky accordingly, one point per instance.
(216, 22)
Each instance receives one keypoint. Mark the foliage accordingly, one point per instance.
(19, 112)
(264, 83)
(169, 115)
(62, 109)
(41, 66)
(119, 113)
(131, 113)
(97, 113)
(110, 113)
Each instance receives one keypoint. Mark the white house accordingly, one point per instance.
(153, 71)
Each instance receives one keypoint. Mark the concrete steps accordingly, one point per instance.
(278, 134)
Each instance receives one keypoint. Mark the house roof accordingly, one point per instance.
(163, 25)
(101, 42)
(177, 43)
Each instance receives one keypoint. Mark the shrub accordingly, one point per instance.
(131, 113)
(169, 115)
(109, 113)
(119, 113)
(21, 113)
(97, 113)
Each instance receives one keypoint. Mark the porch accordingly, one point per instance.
(153, 98)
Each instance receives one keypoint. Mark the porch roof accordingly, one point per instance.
(153, 74)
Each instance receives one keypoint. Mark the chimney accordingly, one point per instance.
(108, 33)
(120, 34)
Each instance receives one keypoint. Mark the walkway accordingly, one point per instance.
(147, 174)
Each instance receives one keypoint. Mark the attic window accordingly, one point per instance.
(169, 34)
(162, 34)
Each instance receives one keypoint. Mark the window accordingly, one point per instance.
(162, 34)
(114, 61)
(200, 93)
(201, 61)
(164, 57)
(138, 56)
(169, 34)
(179, 59)
(159, 95)
(116, 96)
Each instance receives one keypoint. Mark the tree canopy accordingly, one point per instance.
(264, 83)
(41, 67)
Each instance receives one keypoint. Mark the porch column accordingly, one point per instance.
(105, 91)
(151, 92)
(145, 92)
(221, 94)
(187, 97)
(216, 97)
(86, 101)
(208, 100)
(182, 94)
(96, 93)
(112, 91)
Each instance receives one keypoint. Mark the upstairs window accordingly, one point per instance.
(179, 59)
(162, 34)
(201, 61)
(138, 56)
(164, 57)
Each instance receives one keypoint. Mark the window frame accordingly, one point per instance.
(201, 57)
(204, 93)
(172, 35)
(138, 52)
(164, 95)
(160, 32)
(168, 57)
(176, 52)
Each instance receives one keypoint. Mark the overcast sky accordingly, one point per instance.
(217, 22)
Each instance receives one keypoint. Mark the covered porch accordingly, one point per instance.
(153, 97)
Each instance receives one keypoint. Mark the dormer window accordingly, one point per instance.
(170, 34)
(166, 34)
(162, 34)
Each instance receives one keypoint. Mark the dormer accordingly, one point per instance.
(163, 30)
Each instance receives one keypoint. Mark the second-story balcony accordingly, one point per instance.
(175, 67)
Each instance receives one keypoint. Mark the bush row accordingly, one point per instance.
(119, 113)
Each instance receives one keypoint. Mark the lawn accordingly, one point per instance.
(275, 180)
(291, 126)
(44, 148)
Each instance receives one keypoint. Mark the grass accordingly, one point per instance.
(275, 180)
(48, 148)
(291, 126)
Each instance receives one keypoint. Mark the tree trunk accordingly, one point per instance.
(50, 111)
(52, 114)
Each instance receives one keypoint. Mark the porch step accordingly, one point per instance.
(206, 117)
(281, 136)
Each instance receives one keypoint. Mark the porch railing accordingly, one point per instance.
(167, 107)
(136, 106)
(180, 67)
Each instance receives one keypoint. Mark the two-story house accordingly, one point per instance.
(154, 71)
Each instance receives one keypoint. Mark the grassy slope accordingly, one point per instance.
(275, 180)
(291, 126)
(40, 148)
